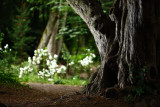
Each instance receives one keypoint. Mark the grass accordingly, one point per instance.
(79, 82)
(11, 79)
(75, 80)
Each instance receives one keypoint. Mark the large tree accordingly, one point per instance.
(128, 40)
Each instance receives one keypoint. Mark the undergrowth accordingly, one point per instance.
(9, 79)
(75, 80)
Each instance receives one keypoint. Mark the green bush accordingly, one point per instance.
(8, 79)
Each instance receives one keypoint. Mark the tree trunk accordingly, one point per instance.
(52, 41)
(48, 30)
(59, 46)
(127, 41)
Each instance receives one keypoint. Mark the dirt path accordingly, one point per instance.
(37, 95)
(47, 95)
(55, 90)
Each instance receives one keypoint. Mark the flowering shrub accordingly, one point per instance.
(46, 64)
(5, 53)
(74, 61)
(6, 49)
(87, 60)
(7, 60)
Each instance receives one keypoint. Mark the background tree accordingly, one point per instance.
(51, 27)
(128, 40)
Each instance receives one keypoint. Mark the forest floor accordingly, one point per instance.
(47, 95)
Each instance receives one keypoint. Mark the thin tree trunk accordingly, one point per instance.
(48, 30)
(52, 42)
(128, 40)
(59, 46)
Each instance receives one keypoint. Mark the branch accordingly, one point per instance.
(99, 24)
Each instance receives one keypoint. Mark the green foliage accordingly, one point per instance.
(6, 76)
(31, 74)
(8, 79)
(72, 32)
(140, 82)
(42, 5)
(6, 57)
(80, 62)
(23, 27)
(128, 98)
(75, 80)
(18, 34)
(106, 5)
(1, 38)
(141, 87)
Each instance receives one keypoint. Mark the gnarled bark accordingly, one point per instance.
(128, 39)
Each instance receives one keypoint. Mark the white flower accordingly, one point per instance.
(35, 52)
(20, 76)
(38, 61)
(21, 72)
(47, 71)
(86, 61)
(63, 67)
(38, 50)
(25, 68)
(55, 56)
(40, 55)
(29, 59)
(45, 51)
(45, 54)
(6, 46)
(59, 70)
(41, 50)
(1, 49)
(52, 71)
(34, 63)
(50, 57)
(53, 64)
(50, 79)
(88, 49)
(10, 49)
(21, 69)
(93, 55)
(71, 63)
(30, 69)
(47, 75)
(48, 62)
(41, 73)
(34, 58)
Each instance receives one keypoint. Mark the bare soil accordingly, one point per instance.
(47, 95)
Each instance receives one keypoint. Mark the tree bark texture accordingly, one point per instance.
(60, 41)
(52, 41)
(128, 38)
(52, 21)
